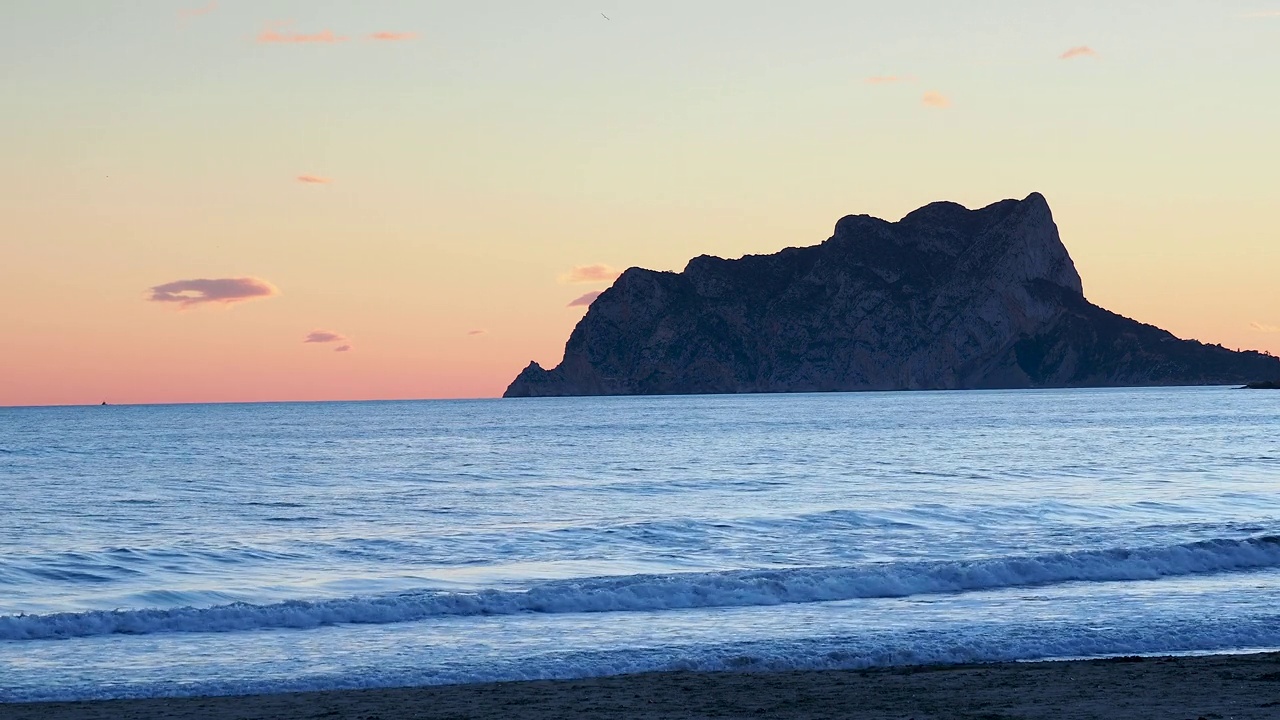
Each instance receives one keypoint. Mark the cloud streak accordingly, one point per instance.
(585, 300)
(477, 332)
(218, 291)
(1264, 327)
(1078, 52)
(935, 99)
(272, 34)
(193, 12)
(328, 336)
(387, 36)
(323, 336)
(587, 274)
(314, 179)
(1263, 14)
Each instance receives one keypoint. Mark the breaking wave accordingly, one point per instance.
(632, 593)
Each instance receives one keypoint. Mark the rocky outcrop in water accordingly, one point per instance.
(946, 298)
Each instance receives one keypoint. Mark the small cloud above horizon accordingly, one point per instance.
(221, 291)
(1077, 52)
(1263, 14)
(586, 299)
(387, 36)
(323, 336)
(271, 35)
(314, 179)
(1264, 327)
(477, 332)
(586, 274)
(328, 336)
(935, 99)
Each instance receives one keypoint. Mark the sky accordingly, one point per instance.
(251, 200)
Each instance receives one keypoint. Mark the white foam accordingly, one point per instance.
(677, 591)
(954, 645)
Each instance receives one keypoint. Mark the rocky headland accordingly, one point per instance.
(945, 298)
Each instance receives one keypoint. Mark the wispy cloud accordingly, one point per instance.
(477, 332)
(323, 336)
(1264, 327)
(314, 180)
(586, 299)
(1079, 52)
(935, 99)
(393, 36)
(272, 34)
(888, 79)
(586, 274)
(221, 291)
(328, 336)
(193, 12)
(1263, 14)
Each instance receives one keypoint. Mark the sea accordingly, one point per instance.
(174, 550)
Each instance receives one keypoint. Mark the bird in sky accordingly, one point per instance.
(606, 17)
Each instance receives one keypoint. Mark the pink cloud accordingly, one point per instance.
(586, 274)
(328, 336)
(1264, 327)
(314, 180)
(935, 99)
(271, 34)
(222, 291)
(393, 36)
(192, 12)
(477, 332)
(323, 336)
(1082, 51)
(585, 300)
(889, 79)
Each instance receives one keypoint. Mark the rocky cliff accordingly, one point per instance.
(946, 298)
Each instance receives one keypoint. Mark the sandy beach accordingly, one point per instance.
(1210, 687)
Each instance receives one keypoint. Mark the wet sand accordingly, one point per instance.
(1208, 688)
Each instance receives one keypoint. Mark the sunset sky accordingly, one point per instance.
(299, 199)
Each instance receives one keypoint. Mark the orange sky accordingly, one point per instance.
(418, 183)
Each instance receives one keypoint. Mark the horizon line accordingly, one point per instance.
(647, 397)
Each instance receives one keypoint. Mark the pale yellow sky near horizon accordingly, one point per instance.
(462, 158)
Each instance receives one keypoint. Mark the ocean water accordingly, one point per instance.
(209, 549)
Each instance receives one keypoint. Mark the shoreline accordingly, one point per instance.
(1240, 686)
